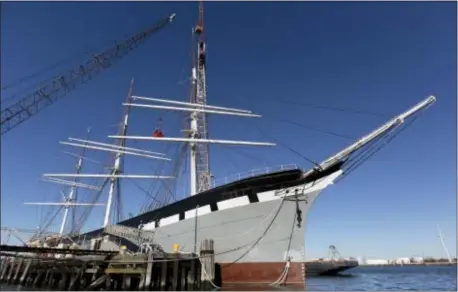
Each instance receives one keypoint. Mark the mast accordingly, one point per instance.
(70, 199)
(118, 161)
(197, 134)
(199, 158)
(443, 244)
(116, 172)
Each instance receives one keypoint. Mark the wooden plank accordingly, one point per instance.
(125, 271)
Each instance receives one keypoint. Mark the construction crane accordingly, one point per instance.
(60, 85)
(333, 254)
(199, 96)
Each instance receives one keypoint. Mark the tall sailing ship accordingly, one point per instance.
(257, 222)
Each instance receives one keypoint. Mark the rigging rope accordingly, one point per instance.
(365, 156)
(85, 214)
(237, 151)
(308, 104)
(47, 224)
(307, 127)
(284, 274)
(289, 148)
(167, 188)
(260, 238)
(388, 140)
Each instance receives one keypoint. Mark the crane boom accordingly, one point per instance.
(59, 86)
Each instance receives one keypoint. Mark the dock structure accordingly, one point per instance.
(95, 270)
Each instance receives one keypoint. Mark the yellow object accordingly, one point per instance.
(176, 247)
(123, 247)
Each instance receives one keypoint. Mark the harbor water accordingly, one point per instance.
(413, 278)
(385, 278)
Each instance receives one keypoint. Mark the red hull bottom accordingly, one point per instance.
(260, 275)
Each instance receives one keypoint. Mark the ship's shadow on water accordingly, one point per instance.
(347, 275)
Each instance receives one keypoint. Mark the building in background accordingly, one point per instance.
(417, 260)
(377, 262)
(361, 260)
(402, 261)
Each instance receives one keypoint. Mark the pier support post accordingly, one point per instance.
(175, 279)
(18, 269)
(207, 258)
(46, 279)
(62, 285)
(38, 276)
(51, 279)
(10, 274)
(2, 267)
(126, 282)
(5, 266)
(26, 270)
(164, 266)
(145, 282)
(184, 269)
(192, 274)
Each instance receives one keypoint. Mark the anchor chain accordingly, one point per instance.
(298, 211)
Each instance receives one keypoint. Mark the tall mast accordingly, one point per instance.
(73, 189)
(199, 158)
(70, 201)
(443, 244)
(117, 166)
(116, 173)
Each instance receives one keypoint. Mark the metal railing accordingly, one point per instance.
(252, 173)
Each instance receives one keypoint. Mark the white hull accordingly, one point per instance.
(246, 232)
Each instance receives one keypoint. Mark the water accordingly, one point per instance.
(413, 278)
(431, 278)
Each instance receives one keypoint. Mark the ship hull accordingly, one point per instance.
(253, 241)
(257, 225)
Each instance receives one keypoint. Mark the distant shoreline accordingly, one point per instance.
(411, 264)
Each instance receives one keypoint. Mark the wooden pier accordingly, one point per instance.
(92, 270)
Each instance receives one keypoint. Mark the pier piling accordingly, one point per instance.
(54, 269)
(207, 258)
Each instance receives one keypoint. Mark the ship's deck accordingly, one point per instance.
(249, 186)
(252, 173)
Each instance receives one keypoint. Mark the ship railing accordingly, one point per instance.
(252, 173)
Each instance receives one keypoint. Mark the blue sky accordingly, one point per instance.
(376, 57)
